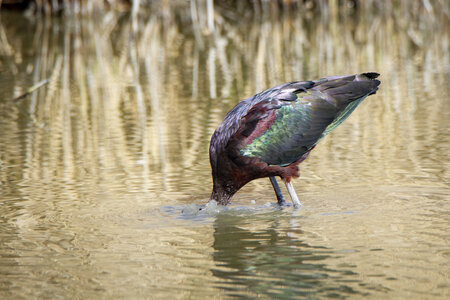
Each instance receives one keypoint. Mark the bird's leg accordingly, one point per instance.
(292, 193)
(277, 190)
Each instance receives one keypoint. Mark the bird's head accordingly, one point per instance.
(224, 183)
(224, 174)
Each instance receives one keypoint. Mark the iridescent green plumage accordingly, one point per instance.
(302, 123)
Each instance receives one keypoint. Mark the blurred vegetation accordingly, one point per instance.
(120, 76)
(229, 6)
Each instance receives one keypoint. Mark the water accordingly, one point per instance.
(103, 170)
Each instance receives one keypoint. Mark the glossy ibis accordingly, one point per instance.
(270, 133)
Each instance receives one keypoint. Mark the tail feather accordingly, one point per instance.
(370, 75)
(346, 89)
(353, 91)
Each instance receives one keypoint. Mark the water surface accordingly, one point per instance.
(103, 170)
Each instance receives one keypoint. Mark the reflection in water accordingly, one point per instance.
(263, 256)
(122, 131)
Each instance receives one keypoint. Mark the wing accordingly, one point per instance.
(296, 126)
(243, 119)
